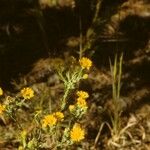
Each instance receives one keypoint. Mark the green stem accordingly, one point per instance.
(119, 76)
(67, 90)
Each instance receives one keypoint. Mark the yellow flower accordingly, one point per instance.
(23, 134)
(85, 63)
(59, 116)
(77, 133)
(81, 102)
(71, 107)
(2, 108)
(20, 148)
(82, 94)
(85, 76)
(1, 91)
(49, 120)
(27, 93)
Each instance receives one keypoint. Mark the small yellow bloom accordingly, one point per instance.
(49, 120)
(2, 108)
(59, 116)
(71, 107)
(77, 133)
(27, 93)
(81, 102)
(85, 76)
(20, 148)
(82, 94)
(1, 91)
(24, 134)
(85, 63)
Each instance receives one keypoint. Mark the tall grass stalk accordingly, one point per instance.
(116, 72)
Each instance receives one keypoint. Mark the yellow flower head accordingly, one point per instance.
(2, 108)
(1, 91)
(49, 120)
(81, 102)
(27, 93)
(82, 94)
(20, 148)
(85, 76)
(85, 63)
(23, 133)
(77, 133)
(71, 107)
(59, 116)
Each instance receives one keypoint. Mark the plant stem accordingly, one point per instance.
(116, 71)
(67, 90)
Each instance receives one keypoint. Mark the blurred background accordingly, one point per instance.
(31, 30)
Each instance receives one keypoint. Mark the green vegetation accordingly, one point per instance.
(74, 75)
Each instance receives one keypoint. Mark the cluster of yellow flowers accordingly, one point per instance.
(52, 119)
(77, 133)
(81, 100)
(27, 93)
